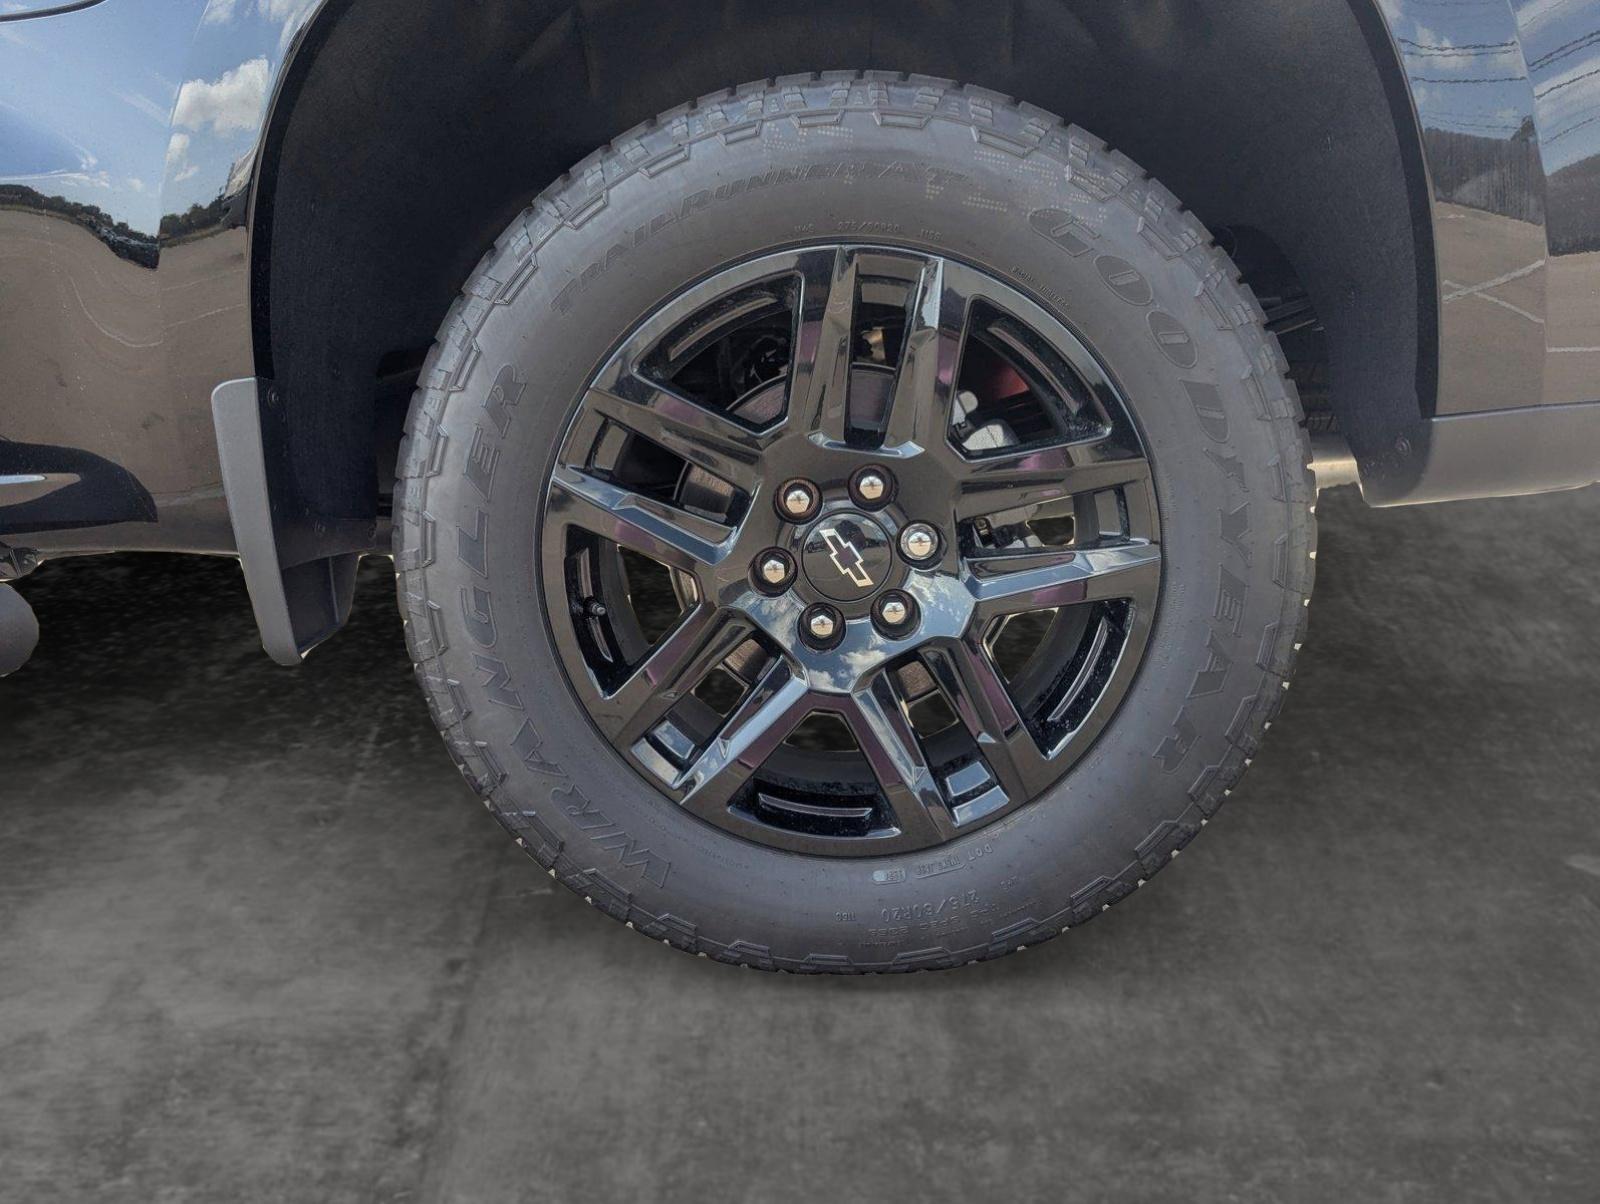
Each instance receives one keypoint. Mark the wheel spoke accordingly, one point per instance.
(1006, 482)
(762, 721)
(701, 436)
(924, 387)
(1017, 582)
(890, 745)
(979, 697)
(819, 381)
(654, 529)
(703, 639)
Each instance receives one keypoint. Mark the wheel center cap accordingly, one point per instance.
(846, 556)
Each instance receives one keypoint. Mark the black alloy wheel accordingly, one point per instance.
(735, 427)
(854, 522)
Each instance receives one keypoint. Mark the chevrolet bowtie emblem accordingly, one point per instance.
(846, 558)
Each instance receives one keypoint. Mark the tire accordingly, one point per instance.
(903, 161)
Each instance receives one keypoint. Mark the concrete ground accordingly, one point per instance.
(257, 942)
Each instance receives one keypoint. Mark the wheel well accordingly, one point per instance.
(406, 137)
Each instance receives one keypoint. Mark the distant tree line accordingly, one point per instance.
(122, 238)
(1506, 176)
(1500, 175)
(1574, 201)
(194, 219)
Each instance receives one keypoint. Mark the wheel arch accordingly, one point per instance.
(384, 169)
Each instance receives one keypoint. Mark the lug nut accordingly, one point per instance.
(871, 486)
(894, 610)
(821, 626)
(919, 542)
(797, 500)
(774, 569)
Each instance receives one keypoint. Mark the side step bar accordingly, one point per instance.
(297, 605)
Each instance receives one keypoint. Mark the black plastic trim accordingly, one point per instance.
(1375, 27)
(291, 75)
(48, 488)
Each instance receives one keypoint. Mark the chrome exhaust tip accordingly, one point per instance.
(1332, 462)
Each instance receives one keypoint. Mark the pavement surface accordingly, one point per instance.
(259, 943)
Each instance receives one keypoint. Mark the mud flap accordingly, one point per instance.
(300, 598)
